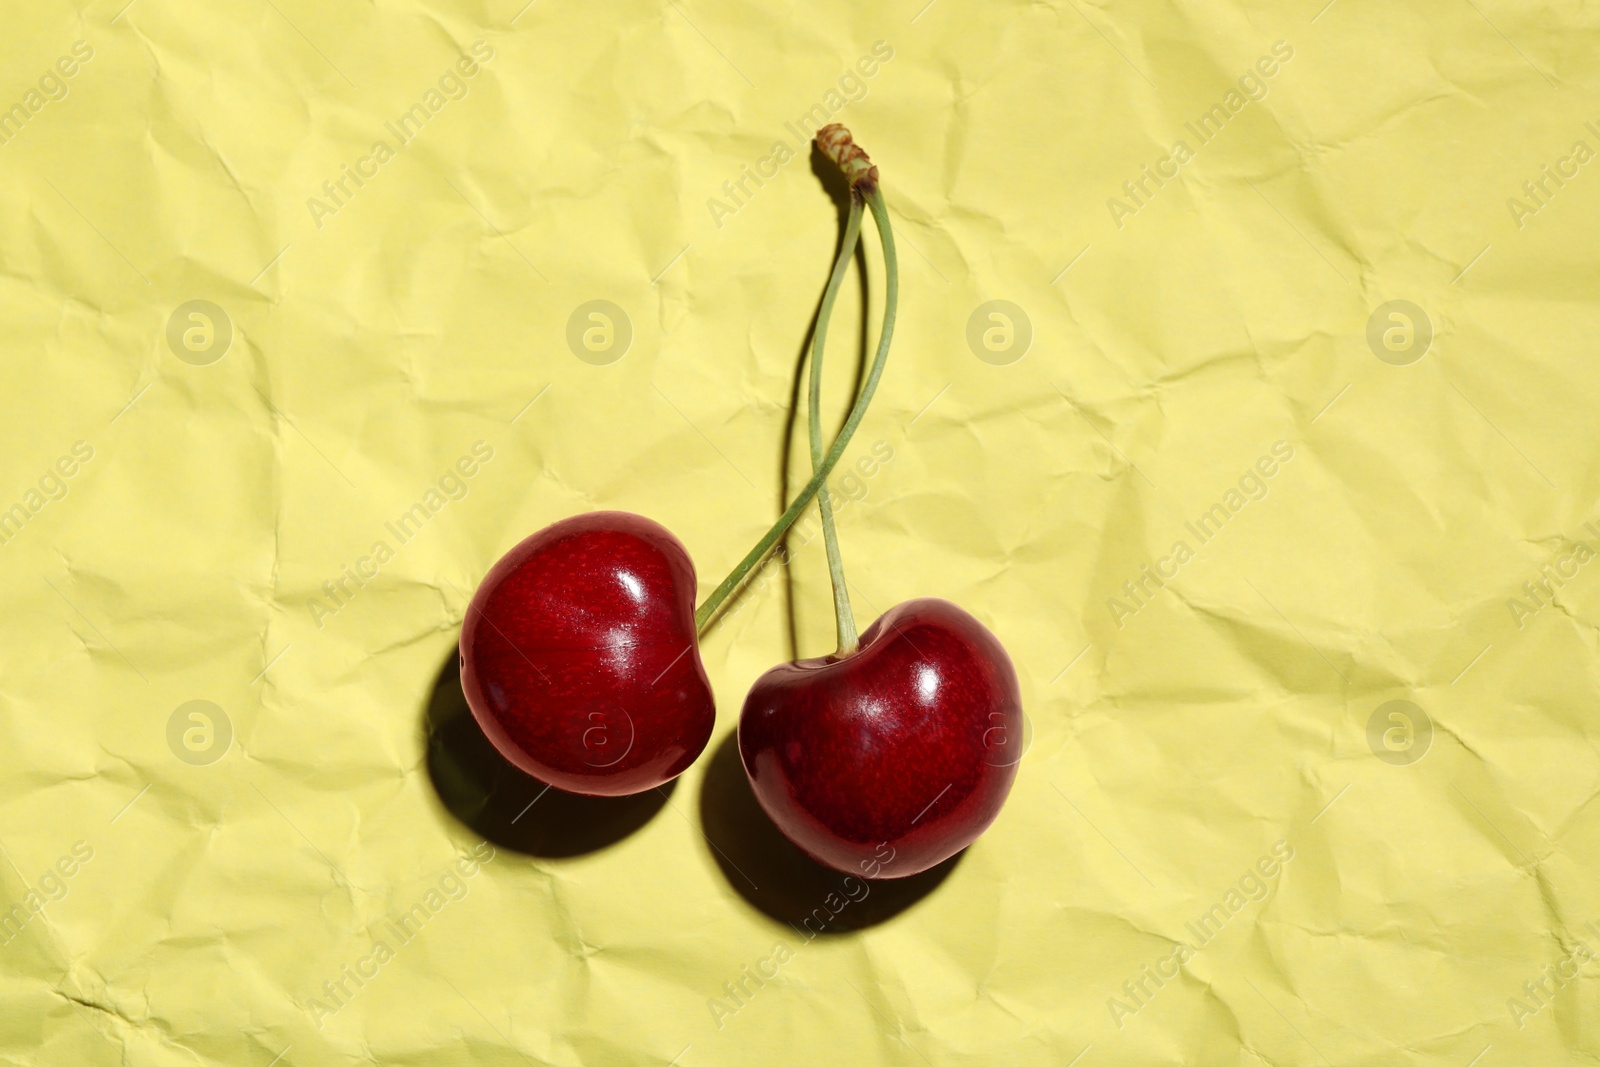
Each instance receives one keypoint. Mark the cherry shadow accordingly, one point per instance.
(503, 805)
(780, 880)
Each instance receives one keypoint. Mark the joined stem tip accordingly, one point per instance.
(837, 144)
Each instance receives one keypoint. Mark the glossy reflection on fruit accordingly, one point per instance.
(892, 759)
(579, 659)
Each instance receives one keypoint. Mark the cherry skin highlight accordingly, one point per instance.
(896, 757)
(579, 658)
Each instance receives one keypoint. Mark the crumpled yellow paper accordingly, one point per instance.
(1243, 386)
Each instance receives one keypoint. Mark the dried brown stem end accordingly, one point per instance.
(837, 144)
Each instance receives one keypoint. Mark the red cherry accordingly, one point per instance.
(896, 757)
(578, 656)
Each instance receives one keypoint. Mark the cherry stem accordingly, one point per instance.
(846, 623)
(891, 296)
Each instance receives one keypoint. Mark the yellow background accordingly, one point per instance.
(1169, 353)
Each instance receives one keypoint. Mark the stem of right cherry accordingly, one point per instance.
(845, 620)
(819, 477)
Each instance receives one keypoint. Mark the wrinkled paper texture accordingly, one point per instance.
(1244, 386)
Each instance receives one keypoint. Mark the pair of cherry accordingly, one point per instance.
(580, 662)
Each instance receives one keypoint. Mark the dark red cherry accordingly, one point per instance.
(892, 759)
(579, 660)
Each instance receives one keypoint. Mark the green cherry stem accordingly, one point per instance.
(846, 622)
(891, 296)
